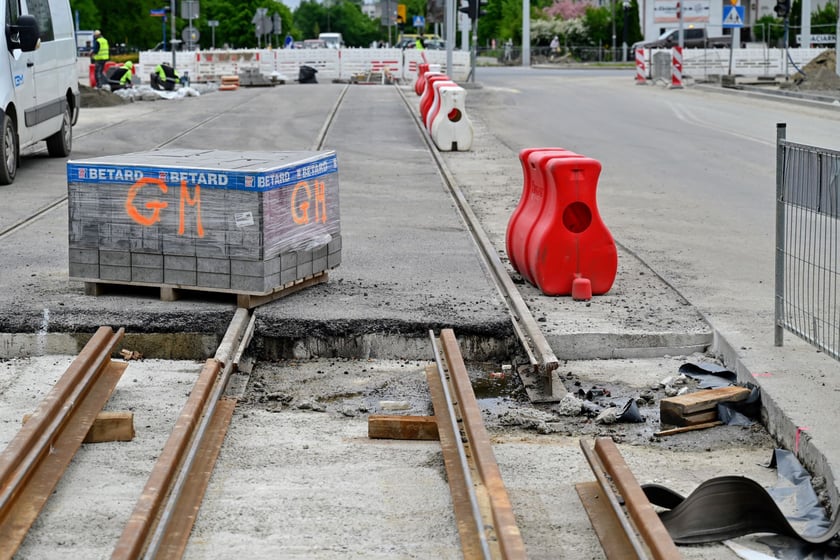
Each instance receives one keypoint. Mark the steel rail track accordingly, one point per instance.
(638, 533)
(36, 458)
(547, 386)
(162, 520)
(166, 510)
(482, 507)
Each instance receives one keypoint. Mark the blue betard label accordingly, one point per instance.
(214, 179)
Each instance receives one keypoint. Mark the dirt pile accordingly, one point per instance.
(93, 97)
(819, 74)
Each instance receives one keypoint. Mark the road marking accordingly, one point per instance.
(685, 115)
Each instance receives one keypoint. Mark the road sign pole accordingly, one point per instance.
(172, 11)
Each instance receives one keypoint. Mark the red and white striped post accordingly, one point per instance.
(676, 68)
(677, 55)
(641, 74)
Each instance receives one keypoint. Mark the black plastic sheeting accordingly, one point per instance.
(728, 507)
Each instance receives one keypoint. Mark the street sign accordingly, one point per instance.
(189, 9)
(419, 22)
(819, 39)
(190, 35)
(212, 23)
(733, 16)
(157, 13)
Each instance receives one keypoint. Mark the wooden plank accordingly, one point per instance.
(672, 418)
(250, 301)
(683, 429)
(108, 426)
(611, 535)
(382, 426)
(704, 400)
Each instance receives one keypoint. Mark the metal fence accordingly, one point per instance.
(807, 244)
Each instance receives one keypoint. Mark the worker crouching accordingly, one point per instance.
(119, 77)
(165, 77)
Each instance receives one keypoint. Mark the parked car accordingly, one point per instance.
(693, 37)
(314, 44)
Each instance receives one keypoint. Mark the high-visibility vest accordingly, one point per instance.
(103, 53)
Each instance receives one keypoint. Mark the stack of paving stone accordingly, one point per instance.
(242, 222)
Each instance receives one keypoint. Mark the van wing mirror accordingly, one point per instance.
(24, 35)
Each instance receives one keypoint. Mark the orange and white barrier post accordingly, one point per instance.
(676, 68)
(641, 74)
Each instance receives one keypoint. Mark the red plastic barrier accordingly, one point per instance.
(420, 84)
(530, 205)
(108, 65)
(569, 241)
(434, 107)
(428, 93)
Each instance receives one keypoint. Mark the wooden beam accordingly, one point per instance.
(382, 426)
(682, 429)
(698, 407)
(108, 426)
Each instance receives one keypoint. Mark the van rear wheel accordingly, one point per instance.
(60, 143)
(8, 150)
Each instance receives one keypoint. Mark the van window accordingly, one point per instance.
(694, 33)
(12, 11)
(40, 10)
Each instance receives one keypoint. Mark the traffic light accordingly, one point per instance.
(400, 13)
(474, 8)
(782, 8)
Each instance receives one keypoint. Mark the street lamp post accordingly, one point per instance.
(613, 29)
(624, 31)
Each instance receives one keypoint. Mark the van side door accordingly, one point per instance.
(20, 73)
(55, 65)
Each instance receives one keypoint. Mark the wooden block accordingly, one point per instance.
(381, 426)
(698, 407)
(108, 426)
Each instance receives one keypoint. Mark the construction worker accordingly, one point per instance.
(418, 44)
(99, 56)
(119, 77)
(165, 77)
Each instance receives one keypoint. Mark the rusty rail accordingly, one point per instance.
(163, 517)
(485, 517)
(35, 459)
(653, 540)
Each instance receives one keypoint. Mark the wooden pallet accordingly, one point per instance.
(170, 292)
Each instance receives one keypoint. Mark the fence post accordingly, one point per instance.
(781, 129)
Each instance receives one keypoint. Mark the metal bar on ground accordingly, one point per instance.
(465, 502)
(636, 549)
(644, 517)
(37, 457)
(507, 532)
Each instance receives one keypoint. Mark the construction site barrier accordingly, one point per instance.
(428, 96)
(530, 204)
(807, 285)
(332, 64)
(450, 128)
(558, 240)
(641, 72)
(434, 106)
(676, 68)
(229, 83)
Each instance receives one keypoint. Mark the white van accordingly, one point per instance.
(39, 88)
(333, 40)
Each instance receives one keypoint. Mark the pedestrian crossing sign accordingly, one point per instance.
(733, 16)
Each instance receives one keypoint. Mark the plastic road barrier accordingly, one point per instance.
(450, 128)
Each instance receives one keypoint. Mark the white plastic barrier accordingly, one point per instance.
(435, 106)
(700, 63)
(331, 64)
(451, 129)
